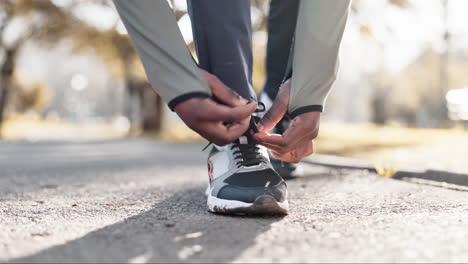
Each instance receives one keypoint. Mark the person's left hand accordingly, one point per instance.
(296, 142)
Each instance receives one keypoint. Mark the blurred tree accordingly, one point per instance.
(442, 111)
(48, 24)
(28, 96)
(379, 96)
(7, 60)
(117, 51)
(23, 20)
(41, 21)
(425, 105)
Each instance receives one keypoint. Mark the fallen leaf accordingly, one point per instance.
(120, 204)
(43, 234)
(188, 236)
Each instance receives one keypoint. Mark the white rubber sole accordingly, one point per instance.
(298, 172)
(263, 205)
(289, 175)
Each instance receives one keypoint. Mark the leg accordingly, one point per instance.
(242, 180)
(222, 33)
(281, 27)
(282, 20)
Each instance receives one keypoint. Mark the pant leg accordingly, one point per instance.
(222, 32)
(319, 30)
(152, 26)
(282, 19)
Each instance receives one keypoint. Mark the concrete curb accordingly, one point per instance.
(447, 177)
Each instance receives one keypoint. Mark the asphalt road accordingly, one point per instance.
(142, 201)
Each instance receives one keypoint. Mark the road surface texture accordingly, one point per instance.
(138, 200)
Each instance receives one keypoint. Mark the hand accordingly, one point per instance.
(296, 142)
(220, 124)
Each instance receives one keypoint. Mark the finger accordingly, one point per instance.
(277, 110)
(275, 139)
(283, 149)
(304, 150)
(227, 95)
(213, 132)
(299, 145)
(274, 142)
(279, 144)
(293, 136)
(291, 157)
(273, 148)
(217, 112)
(264, 139)
(287, 148)
(310, 150)
(236, 130)
(220, 134)
(286, 157)
(259, 136)
(295, 155)
(296, 133)
(222, 92)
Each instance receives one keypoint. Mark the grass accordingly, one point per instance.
(31, 128)
(391, 148)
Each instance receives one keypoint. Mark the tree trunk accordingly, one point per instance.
(150, 105)
(6, 73)
(441, 109)
(133, 108)
(379, 106)
(152, 109)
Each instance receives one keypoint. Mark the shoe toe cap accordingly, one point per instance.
(249, 194)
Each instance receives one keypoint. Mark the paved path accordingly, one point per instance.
(138, 200)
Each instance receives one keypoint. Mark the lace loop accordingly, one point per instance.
(247, 155)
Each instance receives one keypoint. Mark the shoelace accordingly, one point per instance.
(253, 125)
(247, 155)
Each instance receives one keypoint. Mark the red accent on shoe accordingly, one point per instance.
(210, 170)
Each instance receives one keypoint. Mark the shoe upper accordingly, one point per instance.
(242, 171)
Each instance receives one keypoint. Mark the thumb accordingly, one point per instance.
(222, 92)
(277, 110)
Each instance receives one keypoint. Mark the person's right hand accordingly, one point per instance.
(219, 124)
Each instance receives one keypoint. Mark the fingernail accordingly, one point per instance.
(260, 127)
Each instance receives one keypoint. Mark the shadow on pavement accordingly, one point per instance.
(438, 176)
(435, 176)
(177, 229)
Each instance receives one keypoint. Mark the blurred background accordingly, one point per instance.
(69, 72)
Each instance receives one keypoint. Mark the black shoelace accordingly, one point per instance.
(247, 155)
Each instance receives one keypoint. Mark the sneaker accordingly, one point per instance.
(243, 181)
(286, 170)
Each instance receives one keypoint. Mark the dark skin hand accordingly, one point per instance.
(296, 142)
(220, 124)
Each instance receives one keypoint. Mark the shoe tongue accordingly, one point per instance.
(244, 140)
